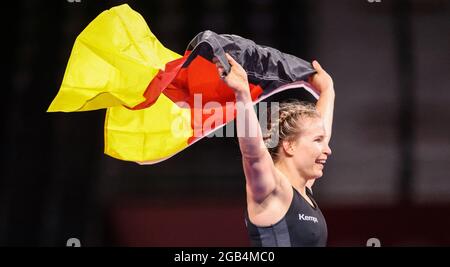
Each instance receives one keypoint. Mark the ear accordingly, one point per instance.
(289, 147)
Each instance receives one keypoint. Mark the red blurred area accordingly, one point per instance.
(181, 223)
(211, 223)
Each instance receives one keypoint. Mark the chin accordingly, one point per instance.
(318, 175)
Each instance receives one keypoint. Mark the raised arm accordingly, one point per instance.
(323, 83)
(258, 165)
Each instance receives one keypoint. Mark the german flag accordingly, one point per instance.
(159, 102)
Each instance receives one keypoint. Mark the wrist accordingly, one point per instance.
(243, 95)
(328, 90)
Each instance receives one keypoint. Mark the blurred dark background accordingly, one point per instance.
(388, 178)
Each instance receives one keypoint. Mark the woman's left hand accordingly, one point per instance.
(321, 81)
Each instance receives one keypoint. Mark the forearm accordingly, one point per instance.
(258, 165)
(248, 128)
(325, 106)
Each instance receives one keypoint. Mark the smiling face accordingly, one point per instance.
(310, 150)
(300, 139)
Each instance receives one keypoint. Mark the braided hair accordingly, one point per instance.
(288, 124)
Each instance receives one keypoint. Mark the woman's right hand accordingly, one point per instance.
(237, 78)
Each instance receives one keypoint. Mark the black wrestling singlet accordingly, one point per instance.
(302, 226)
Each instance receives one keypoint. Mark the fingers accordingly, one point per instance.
(317, 66)
(235, 66)
(231, 60)
(221, 71)
(220, 68)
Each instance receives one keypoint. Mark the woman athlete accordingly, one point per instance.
(280, 208)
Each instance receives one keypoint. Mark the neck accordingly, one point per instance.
(287, 168)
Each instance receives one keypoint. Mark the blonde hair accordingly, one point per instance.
(289, 125)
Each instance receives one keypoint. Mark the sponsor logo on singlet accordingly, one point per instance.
(303, 217)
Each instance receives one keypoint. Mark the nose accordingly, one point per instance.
(327, 150)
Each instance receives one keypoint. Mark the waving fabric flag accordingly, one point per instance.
(158, 102)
